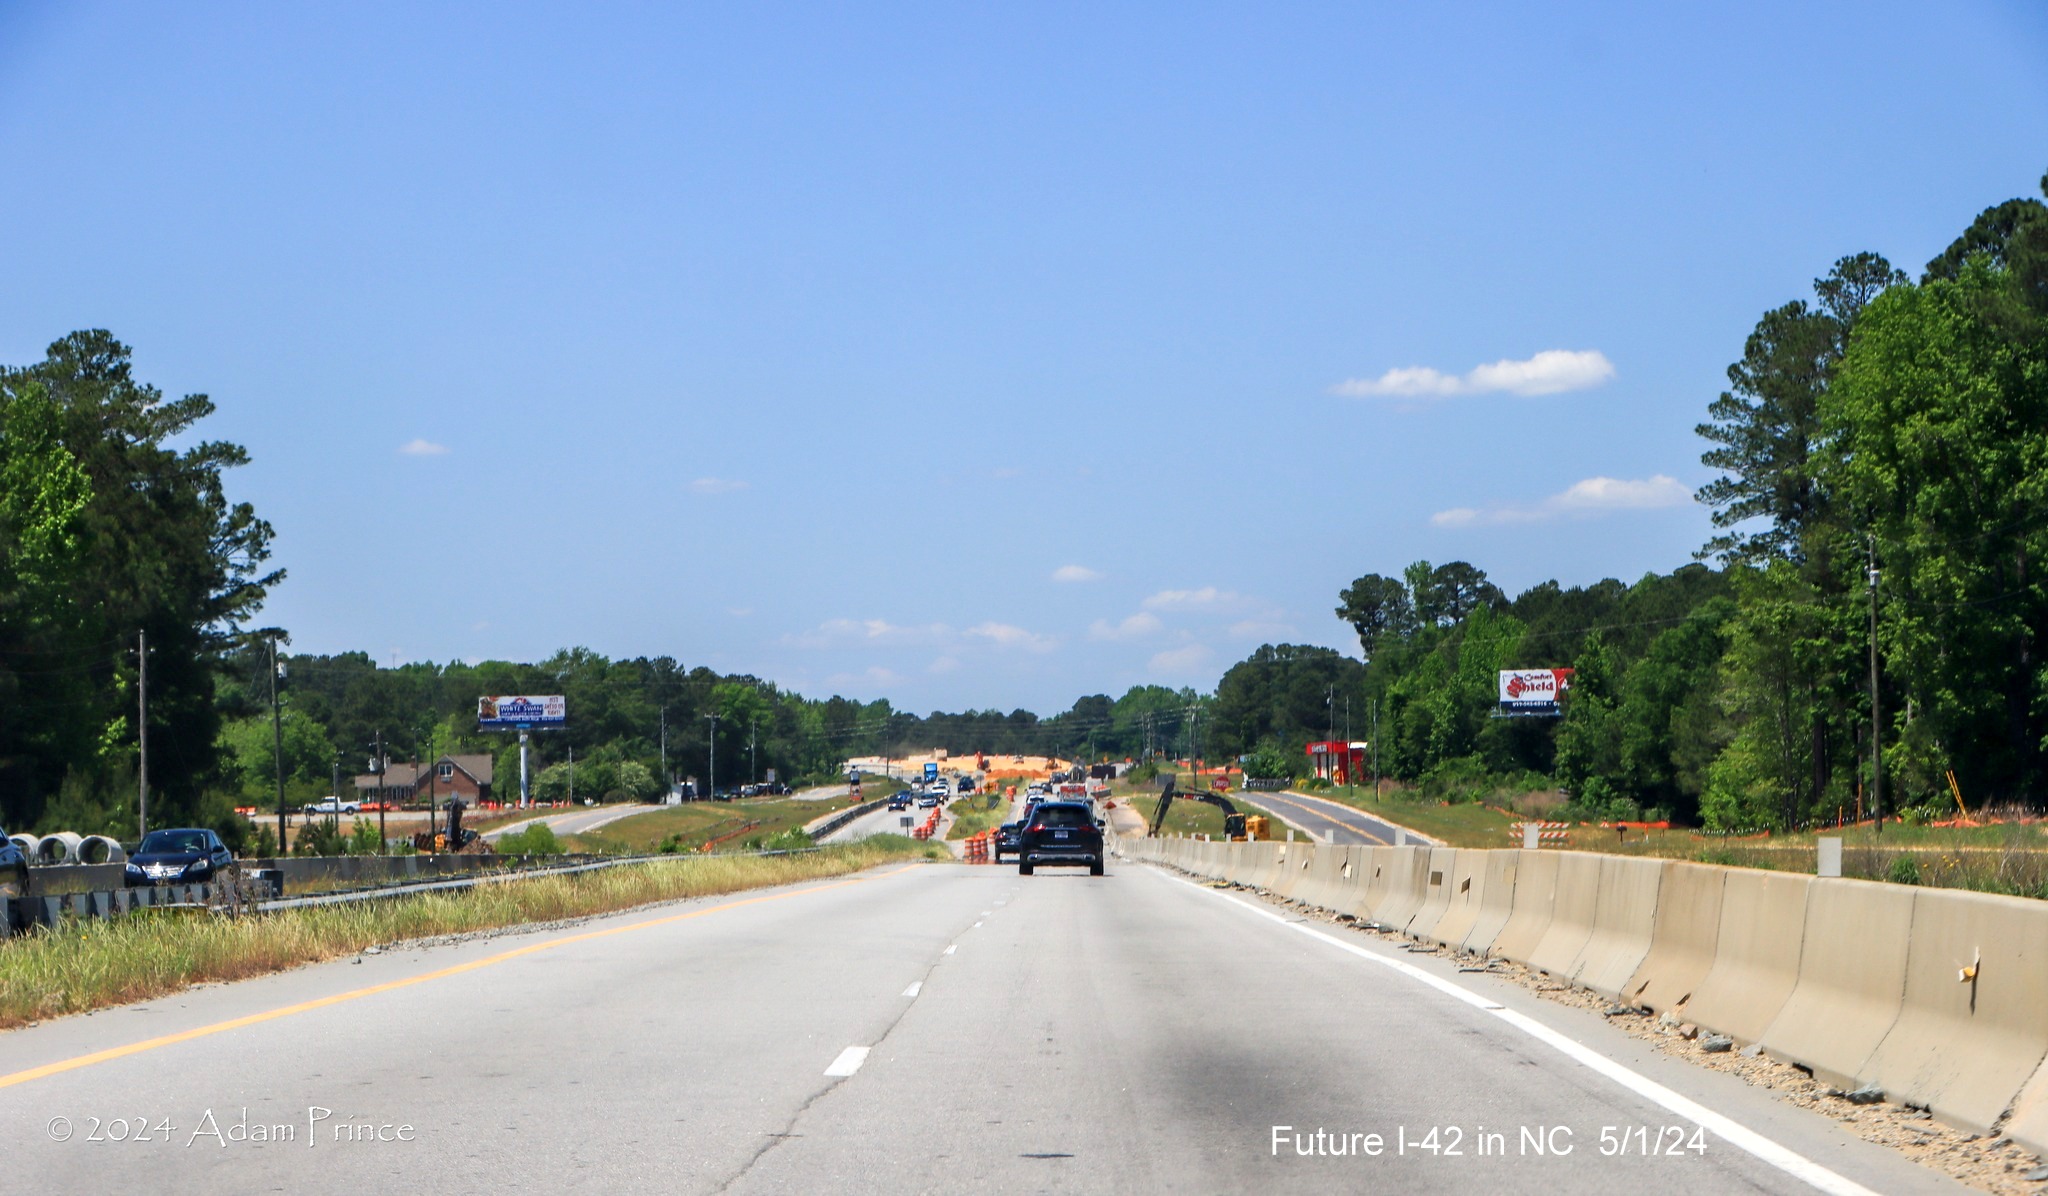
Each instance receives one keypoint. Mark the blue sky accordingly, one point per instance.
(969, 356)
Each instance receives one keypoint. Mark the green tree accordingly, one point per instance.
(1766, 426)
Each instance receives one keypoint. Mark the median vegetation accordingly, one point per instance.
(92, 965)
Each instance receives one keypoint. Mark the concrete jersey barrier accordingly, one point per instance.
(1571, 914)
(1624, 919)
(1972, 1030)
(1687, 928)
(1496, 901)
(1852, 979)
(1465, 895)
(1535, 893)
(1437, 888)
(1756, 954)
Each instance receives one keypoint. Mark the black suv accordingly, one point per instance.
(1060, 833)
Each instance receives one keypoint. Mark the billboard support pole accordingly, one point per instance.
(524, 799)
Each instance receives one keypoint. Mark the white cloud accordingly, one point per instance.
(1075, 573)
(875, 675)
(418, 447)
(1552, 371)
(716, 486)
(1003, 635)
(1141, 624)
(1206, 598)
(1188, 658)
(847, 633)
(944, 664)
(1267, 630)
(739, 612)
(1589, 497)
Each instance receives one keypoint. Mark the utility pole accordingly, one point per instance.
(572, 768)
(1876, 754)
(1375, 749)
(711, 772)
(753, 761)
(142, 733)
(277, 744)
(668, 782)
(1330, 700)
(377, 768)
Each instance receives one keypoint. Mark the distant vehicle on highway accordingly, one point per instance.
(901, 800)
(1009, 838)
(927, 801)
(1061, 833)
(335, 805)
(966, 785)
(180, 855)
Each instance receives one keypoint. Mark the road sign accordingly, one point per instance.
(906, 821)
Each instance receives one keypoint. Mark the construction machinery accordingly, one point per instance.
(1233, 822)
(453, 837)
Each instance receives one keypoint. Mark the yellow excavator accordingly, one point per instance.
(1236, 826)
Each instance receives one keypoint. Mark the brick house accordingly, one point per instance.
(465, 776)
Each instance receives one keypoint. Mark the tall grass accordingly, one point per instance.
(92, 964)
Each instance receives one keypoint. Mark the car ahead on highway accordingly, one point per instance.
(181, 855)
(13, 868)
(901, 800)
(1061, 833)
(927, 801)
(335, 805)
(1009, 837)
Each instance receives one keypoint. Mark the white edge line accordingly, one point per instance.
(1727, 1129)
(916, 986)
(952, 948)
(848, 1062)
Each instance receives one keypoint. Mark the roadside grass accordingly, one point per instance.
(81, 966)
(1184, 817)
(970, 819)
(692, 824)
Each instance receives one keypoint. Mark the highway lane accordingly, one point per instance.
(1328, 820)
(876, 822)
(1058, 1032)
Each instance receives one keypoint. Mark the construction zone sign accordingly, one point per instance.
(1533, 691)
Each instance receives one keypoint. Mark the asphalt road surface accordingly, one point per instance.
(1329, 821)
(575, 822)
(919, 1028)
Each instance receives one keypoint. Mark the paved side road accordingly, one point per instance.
(1328, 820)
(931, 1027)
(575, 822)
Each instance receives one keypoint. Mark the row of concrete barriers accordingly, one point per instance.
(1938, 997)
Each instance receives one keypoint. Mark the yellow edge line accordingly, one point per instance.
(1315, 813)
(150, 1044)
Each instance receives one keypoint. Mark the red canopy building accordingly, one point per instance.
(1339, 763)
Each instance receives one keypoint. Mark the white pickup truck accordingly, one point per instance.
(334, 805)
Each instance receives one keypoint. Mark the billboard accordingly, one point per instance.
(1533, 691)
(521, 712)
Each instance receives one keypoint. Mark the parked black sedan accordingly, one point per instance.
(183, 855)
